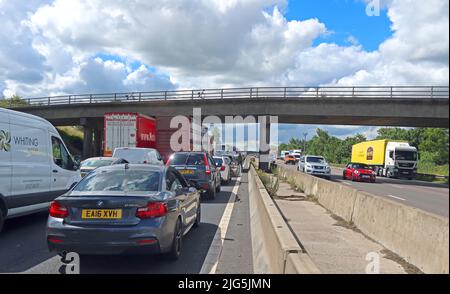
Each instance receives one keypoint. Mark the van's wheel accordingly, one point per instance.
(175, 250)
(2, 220)
(198, 216)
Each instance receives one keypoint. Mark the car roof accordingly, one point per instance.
(132, 166)
(135, 148)
(103, 158)
(191, 152)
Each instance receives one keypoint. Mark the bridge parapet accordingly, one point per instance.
(366, 92)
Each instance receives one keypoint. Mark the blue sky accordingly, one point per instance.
(48, 50)
(343, 18)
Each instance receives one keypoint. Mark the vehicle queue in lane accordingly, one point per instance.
(131, 202)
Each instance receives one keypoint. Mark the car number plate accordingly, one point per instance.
(187, 172)
(101, 214)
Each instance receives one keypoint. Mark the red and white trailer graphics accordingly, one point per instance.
(128, 129)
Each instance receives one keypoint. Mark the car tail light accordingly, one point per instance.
(54, 240)
(207, 167)
(58, 211)
(153, 209)
(222, 168)
(146, 241)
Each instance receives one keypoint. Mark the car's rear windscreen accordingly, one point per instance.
(120, 180)
(218, 160)
(131, 155)
(187, 159)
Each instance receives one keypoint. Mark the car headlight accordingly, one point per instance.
(357, 172)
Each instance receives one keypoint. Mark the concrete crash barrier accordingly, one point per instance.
(338, 199)
(275, 249)
(419, 237)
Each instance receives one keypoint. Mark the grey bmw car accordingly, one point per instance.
(127, 208)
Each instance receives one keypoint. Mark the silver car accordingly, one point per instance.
(125, 209)
(223, 162)
(314, 165)
(92, 163)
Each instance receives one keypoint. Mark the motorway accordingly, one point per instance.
(23, 245)
(431, 197)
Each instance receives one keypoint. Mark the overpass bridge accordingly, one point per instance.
(408, 106)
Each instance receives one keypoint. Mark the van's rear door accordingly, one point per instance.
(5, 154)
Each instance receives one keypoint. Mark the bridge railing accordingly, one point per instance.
(427, 92)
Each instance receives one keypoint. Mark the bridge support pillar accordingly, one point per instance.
(264, 143)
(97, 142)
(87, 142)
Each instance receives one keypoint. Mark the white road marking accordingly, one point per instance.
(347, 183)
(399, 198)
(215, 250)
(226, 188)
(396, 186)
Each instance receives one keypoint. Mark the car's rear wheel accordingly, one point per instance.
(175, 250)
(218, 187)
(198, 217)
(212, 193)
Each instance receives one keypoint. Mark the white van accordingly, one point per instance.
(35, 166)
(138, 155)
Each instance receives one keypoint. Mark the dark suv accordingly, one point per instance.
(199, 167)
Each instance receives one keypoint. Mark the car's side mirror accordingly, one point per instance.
(58, 161)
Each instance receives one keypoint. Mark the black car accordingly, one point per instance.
(199, 167)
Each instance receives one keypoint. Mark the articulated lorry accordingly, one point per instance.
(387, 157)
(127, 129)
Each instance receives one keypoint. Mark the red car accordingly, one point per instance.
(359, 172)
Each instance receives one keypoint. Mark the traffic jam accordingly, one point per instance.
(382, 158)
(130, 200)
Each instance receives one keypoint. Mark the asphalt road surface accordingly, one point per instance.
(23, 245)
(431, 197)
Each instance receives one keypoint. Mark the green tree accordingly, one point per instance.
(434, 146)
(13, 101)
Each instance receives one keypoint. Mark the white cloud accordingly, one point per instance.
(49, 47)
(418, 51)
